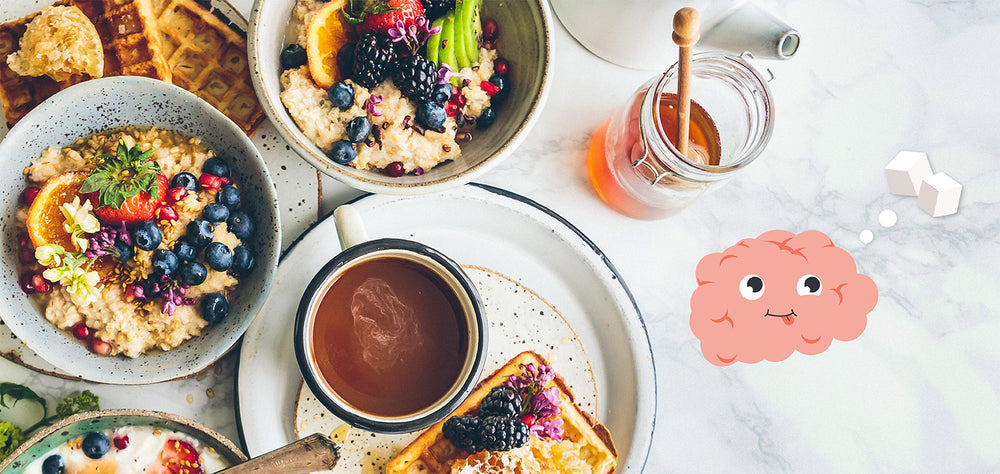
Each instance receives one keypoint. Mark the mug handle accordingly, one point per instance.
(350, 228)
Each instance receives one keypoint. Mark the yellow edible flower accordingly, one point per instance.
(49, 255)
(82, 286)
(80, 219)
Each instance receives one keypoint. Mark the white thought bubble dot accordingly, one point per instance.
(866, 236)
(887, 218)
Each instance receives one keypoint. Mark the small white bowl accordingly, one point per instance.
(108, 104)
(524, 40)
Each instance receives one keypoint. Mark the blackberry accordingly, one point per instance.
(499, 433)
(436, 8)
(372, 56)
(501, 401)
(463, 431)
(415, 76)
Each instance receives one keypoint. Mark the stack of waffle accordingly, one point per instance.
(172, 40)
(432, 453)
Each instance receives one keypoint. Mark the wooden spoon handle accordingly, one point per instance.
(312, 453)
(687, 23)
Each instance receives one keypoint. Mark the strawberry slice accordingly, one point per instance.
(126, 186)
(380, 15)
(177, 457)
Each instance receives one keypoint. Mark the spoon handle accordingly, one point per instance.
(312, 453)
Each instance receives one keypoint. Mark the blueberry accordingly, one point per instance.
(123, 252)
(342, 95)
(486, 118)
(240, 224)
(243, 260)
(218, 256)
(95, 445)
(293, 56)
(358, 129)
(343, 152)
(54, 464)
(199, 232)
(216, 167)
(147, 235)
(185, 251)
(214, 307)
(502, 82)
(430, 114)
(184, 180)
(228, 196)
(165, 262)
(215, 213)
(441, 93)
(192, 273)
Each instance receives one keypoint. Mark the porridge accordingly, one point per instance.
(134, 239)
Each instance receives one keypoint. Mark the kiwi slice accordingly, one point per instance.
(434, 42)
(469, 17)
(459, 34)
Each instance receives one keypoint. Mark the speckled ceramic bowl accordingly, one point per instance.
(78, 425)
(525, 28)
(112, 103)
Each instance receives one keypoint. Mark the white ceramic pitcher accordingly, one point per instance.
(636, 33)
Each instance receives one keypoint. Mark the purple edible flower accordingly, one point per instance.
(172, 291)
(103, 242)
(542, 401)
(444, 74)
(413, 36)
(371, 105)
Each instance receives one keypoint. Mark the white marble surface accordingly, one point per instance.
(919, 390)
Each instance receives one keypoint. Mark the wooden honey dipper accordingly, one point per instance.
(687, 22)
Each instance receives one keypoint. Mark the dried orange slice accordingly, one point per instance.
(327, 32)
(45, 219)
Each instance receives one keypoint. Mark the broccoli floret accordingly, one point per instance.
(85, 401)
(10, 438)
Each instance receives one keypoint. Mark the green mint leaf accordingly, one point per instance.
(18, 392)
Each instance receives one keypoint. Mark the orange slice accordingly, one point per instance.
(326, 33)
(45, 219)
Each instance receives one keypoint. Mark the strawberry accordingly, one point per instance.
(379, 15)
(126, 187)
(177, 457)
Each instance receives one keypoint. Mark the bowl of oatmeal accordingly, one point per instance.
(141, 231)
(124, 440)
(384, 70)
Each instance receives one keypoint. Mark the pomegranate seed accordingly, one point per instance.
(26, 254)
(528, 419)
(28, 195)
(394, 169)
(40, 283)
(81, 331)
(166, 213)
(501, 66)
(490, 30)
(121, 442)
(489, 88)
(23, 240)
(176, 194)
(225, 181)
(27, 283)
(451, 109)
(100, 347)
(208, 181)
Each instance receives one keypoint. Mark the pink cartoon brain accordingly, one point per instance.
(764, 298)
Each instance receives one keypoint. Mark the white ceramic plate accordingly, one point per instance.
(297, 183)
(481, 226)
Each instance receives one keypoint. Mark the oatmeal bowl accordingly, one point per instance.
(401, 96)
(141, 231)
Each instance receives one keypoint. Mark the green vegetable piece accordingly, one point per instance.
(10, 438)
(84, 402)
(459, 34)
(448, 45)
(18, 393)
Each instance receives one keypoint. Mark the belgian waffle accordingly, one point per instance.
(209, 59)
(128, 32)
(432, 453)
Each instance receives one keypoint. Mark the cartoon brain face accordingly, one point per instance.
(767, 297)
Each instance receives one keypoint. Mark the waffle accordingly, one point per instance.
(432, 453)
(209, 59)
(131, 47)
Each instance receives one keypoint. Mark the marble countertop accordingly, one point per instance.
(919, 390)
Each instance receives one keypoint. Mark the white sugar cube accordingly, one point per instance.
(906, 171)
(939, 195)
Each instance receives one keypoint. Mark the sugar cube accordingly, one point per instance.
(906, 171)
(939, 195)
